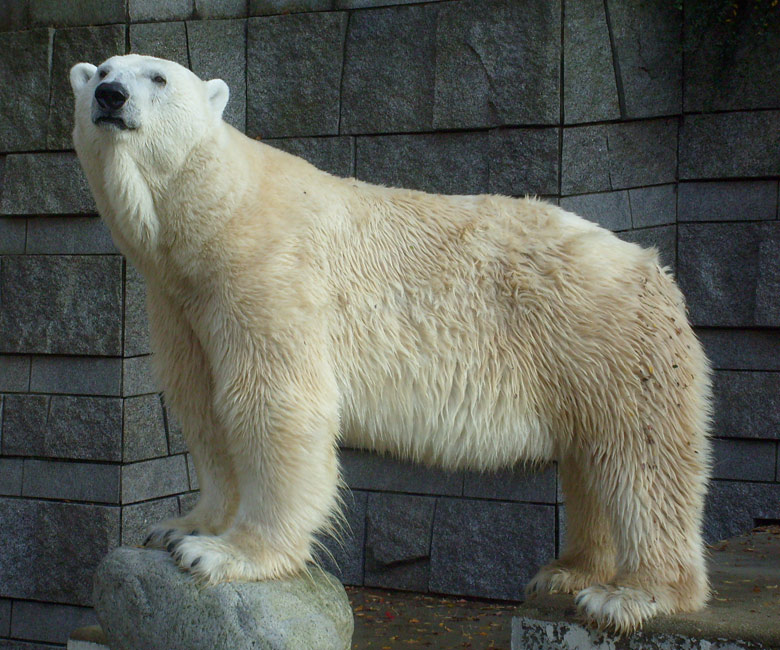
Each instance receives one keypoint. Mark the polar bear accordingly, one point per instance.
(291, 309)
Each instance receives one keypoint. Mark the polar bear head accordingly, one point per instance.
(153, 106)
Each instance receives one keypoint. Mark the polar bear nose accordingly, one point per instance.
(111, 95)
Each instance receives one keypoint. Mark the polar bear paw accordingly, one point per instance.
(621, 609)
(163, 534)
(559, 578)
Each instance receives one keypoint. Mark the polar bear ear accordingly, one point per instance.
(218, 93)
(80, 74)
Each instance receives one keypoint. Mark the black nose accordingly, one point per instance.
(111, 95)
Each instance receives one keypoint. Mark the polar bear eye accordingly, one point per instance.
(102, 74)
(159, 79)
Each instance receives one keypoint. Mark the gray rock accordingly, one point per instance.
(220, 8)
(335, 155)
(342, 552)
(13, 232)
(585, 160)
(84, 12)
(163, 40)
(68, 236)
(728, 201)
(388, 82)
(294, 66)
(25, 83)
(744, 460)
(747, 404)
(60, 426)
(214, 55)
(646, 38)
(137, 377)
(49, 622)
(91, 44)
(192, 473)
(273, 7)
(150, 479)
(497, 63)
(523, 161)
(14, 374)
(589, 87)
(32, 567)
(176, 442)
(14, 16)
(55, 479)
(160, 10)
(363, 4)
(5, 616)
(739, 349)
(663, 238)
(653, 206)
(138, 517)
(768, 288)
(66, 186)
(144, 602)
(610, 210)
(398, 541)
(136, 322)
(447, 163)
(187, 501)
(76, 375)
(733, 507)
(729, 145)
(366, 471)
(57, 304)
(144, 432)
(513, 485)
(489, 548)
(11, 476)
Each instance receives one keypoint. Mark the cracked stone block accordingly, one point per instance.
(54, 479)
(294, 65)
(747, 404)
(744, 460)
(138, 517)
(729, 145)
(653, 206)
(513, 485)
(497, 63)
(214, 55)
(741, 349)
(610, 210)
(91, 44)
(69, 236)
(334, 155)
(728, 272)
(149, 479)
(342, 553)
(144, 428)
(728, 201)
(13, 232)
(447, 163)
(160, 10)
(589, 87)
(388, 80)
(66, 192)
(663, 238)
(647, 45)
(59, 304)
(49, 622)
(84, 12)
(61, 426)
(733, 507)
(523, 162)
(489, 549)
(76, 375)
(31, 568)
(136, 340)
(163, 40)
(25, 83)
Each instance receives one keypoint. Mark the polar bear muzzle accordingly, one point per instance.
(110, 97)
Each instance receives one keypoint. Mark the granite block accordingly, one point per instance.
(48, 622)
(187, 501)
(741, 349)
(136, 339)
(734, 506)
(523, 161)
(138, 377)
(610, 210)
(163, 40)
(5, 616)
(513, 485)
(69, 236)
(13, 233)
(138, 517)
(747, 404)
(273, 7)
(192, 473)
(14, 374)
(14, 15)
(83, 12)
(653, 206)
(335, 155)
(10, 476)
(728, 201)
(744, 460)
(160, 10)
(176, 442)
(220, 8)
(76, 375)
(342, 553)
(144, 429)
(54, 479)
(663, 238)
(150, 479)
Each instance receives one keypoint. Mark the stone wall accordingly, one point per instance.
(659, 122)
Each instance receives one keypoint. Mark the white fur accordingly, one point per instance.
(290, 309)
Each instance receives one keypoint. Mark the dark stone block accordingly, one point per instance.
(747, 404)
(726, 272)
(11, 476)
(728, 201)
(159, 477)
(653, 206)
(728, 145)
(489, 549)
(744, 460)
(365, 471)
(25, 82)
(137, 377)
(76, 375)
(192, 473)
(14, 374)
(733, 349)
(734, 506)
(220, 8)
(57, 304)
(589, 88)
(136, 321)
(49, 622)
(144, 435)
(497, 63)
(585, 160)
(523, 161)
(13, 232)
(69, 236)
(388, 82)
(66, 189)
(364, 4)
(31, 568)
(727, 63)
(14, 16)
(273, 7)
(646, 37)
(214, 54)
(447, 163)
(333, 155)
(84, 428)
(398, 541)
(137, 518)
(160, 10)
(176, 442)
(5, 616)
(513, 485)
(610, 210)
(83, 12)
(187, 503)
(163, 40)
(342, 553)
(663, 238)
(91, 44)
(294, 66)
(52, 479)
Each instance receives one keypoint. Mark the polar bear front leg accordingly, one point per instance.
(280, 410)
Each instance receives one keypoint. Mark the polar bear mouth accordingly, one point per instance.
(116, 122)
